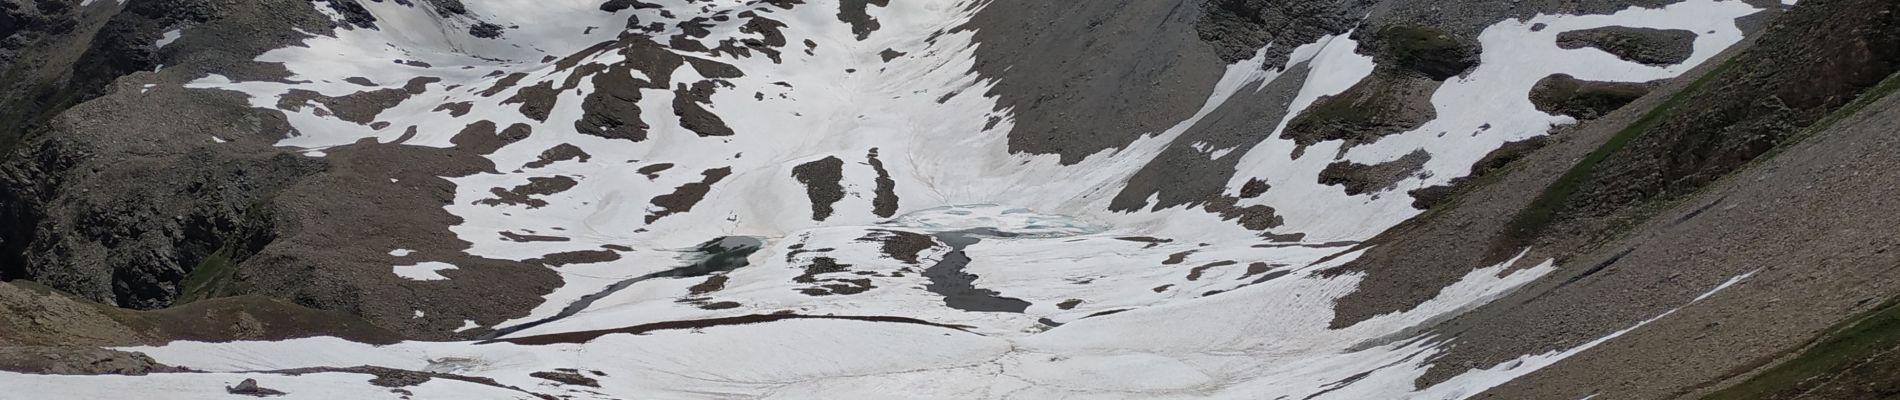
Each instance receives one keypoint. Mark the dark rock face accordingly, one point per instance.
(690, 102)
(51, 58)
(1396, 98)
(1428, 197)
(536, 100)
(524, 195)
(354, 15)
(148, 196)
(361, 107)
(563, 152)
(1386, 103)
(1424, 50)
(1643, 45)
(449, 7)
(1254, 188)
(1237, 28)
(571, 377)
(1566, 95)
(856, 13)
(379, 194)
(249, 387)
(822, 180)
(78, 361)
(613, 110)
(1753, 105)
(481, 137)
(619, 5)
(24, 22)
(112, 233)
(1184, 175)
(485, 30)
(1106, 74)
(885, 202)
(901, 245)
(686, 196)
(1360, 178)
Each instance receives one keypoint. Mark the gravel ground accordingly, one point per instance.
(1816, 222)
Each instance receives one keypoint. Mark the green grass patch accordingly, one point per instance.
(1343, 116)
(1419, 41)
(1543, 211)
(1875, 332)
(215, 276)
(1341, 107)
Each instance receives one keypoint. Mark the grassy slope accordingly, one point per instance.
(1853, 360)
(1542, 211)
(1855, 354)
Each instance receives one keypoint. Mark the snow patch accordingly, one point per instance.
(428, 271)
(168, 37)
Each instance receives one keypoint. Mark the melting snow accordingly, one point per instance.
(1139, 304)
(1496, 95)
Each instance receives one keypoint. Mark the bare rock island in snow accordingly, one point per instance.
(949, 199)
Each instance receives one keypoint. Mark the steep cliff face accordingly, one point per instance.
(1002, 198)
(147, 195)
(107, 198)
(27, 26)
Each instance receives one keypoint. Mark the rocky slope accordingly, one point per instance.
(949, 199)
